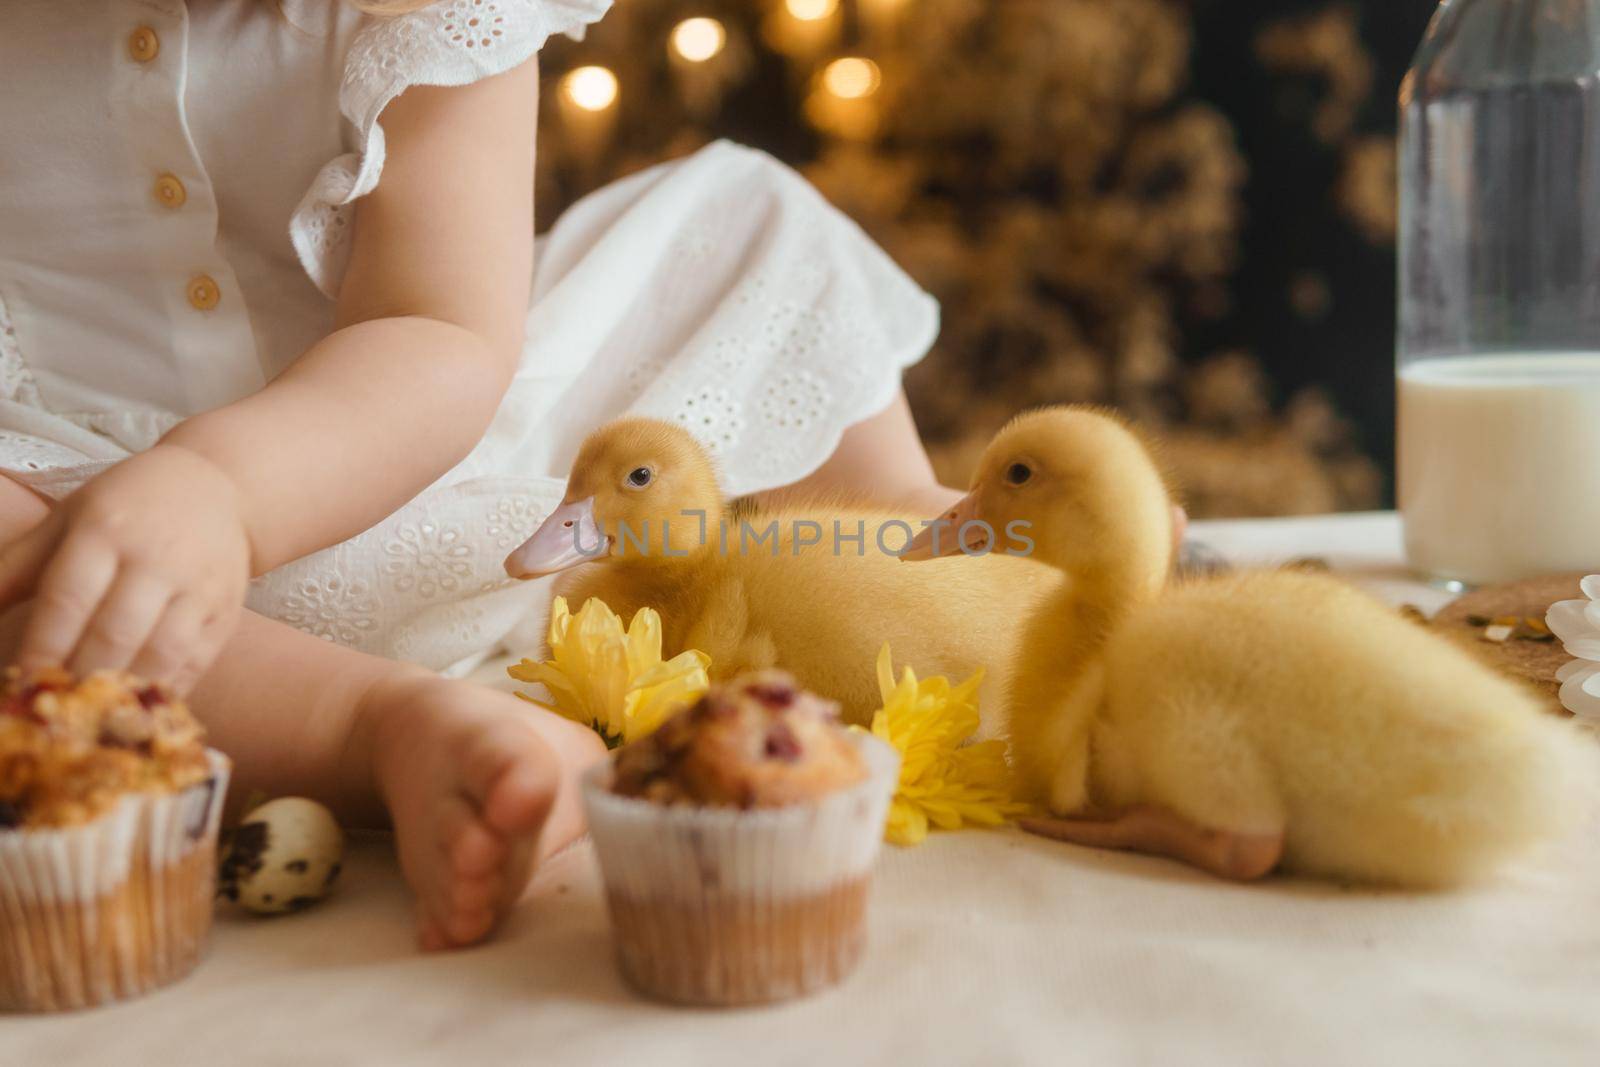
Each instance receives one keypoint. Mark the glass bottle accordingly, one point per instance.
(1498, 356)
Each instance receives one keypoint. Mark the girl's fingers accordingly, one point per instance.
(21, 560)
(122, 624)
(175, 647)
(216, 630)
(67, 593)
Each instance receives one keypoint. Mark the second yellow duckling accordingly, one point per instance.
(812, 585)
(1246, 722)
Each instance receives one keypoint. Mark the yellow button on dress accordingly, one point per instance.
(143, 44)
(170, 192)
(203, 292)
(718, 290)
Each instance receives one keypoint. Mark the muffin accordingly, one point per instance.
(737, 844)
(109, 807)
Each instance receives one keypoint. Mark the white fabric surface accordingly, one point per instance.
(719, 290)
(988, 948)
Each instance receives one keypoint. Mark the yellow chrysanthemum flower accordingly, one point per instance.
(610, 678)
(943, 781)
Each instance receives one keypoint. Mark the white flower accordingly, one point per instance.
(1577, 623)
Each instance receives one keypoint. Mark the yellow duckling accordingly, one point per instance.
(811, 586)
(1245, 722)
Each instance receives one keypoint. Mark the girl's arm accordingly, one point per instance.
(430, 321)
(146, 566)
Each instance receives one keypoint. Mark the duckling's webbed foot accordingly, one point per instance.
(1158, 832)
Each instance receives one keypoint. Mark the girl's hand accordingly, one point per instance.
(144, 568)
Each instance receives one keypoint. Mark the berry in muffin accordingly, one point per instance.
(70, 750)
(737, 844)
(109, 810)
(758, 742)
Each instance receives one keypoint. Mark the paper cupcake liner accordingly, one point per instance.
(112, 909)
(718, 906)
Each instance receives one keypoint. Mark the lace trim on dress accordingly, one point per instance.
(455, 42)
(29, 456)
(427, 584)
(16, 380)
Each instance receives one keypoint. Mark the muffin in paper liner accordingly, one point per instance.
(721, 906)
(112, 908)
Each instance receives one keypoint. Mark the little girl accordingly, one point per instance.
(266, 342)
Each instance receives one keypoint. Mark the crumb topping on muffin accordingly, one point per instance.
(759, 741)
(69, 749)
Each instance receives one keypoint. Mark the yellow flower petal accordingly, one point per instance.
(907, 824)
(611, 677)
(944, 781)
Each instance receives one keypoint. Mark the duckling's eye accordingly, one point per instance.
(1018, 473)
(640, 477)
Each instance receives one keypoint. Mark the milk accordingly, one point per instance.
(1499, 465)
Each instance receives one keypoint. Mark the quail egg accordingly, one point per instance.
(284, 856)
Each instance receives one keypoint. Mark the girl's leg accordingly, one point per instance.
(881, 458)
(477, 784)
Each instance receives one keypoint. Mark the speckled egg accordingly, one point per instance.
(284, 856)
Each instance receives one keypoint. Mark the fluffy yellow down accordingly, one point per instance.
(943, 781)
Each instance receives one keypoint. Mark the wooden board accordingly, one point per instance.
(1536, 662)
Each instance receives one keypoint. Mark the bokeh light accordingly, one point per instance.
(852, 78)
(811, 10)
(591, 88)
(699, 39)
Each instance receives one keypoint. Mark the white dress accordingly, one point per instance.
(176, 182)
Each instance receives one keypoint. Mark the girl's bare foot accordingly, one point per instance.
(480, 786)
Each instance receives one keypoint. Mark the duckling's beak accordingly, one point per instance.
(568, 537)
(956, 531)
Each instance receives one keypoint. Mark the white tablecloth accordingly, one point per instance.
(987, 948)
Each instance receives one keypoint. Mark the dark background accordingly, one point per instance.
(1193, 203)
(1290, 229)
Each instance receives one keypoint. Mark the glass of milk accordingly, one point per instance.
(1499, 315)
